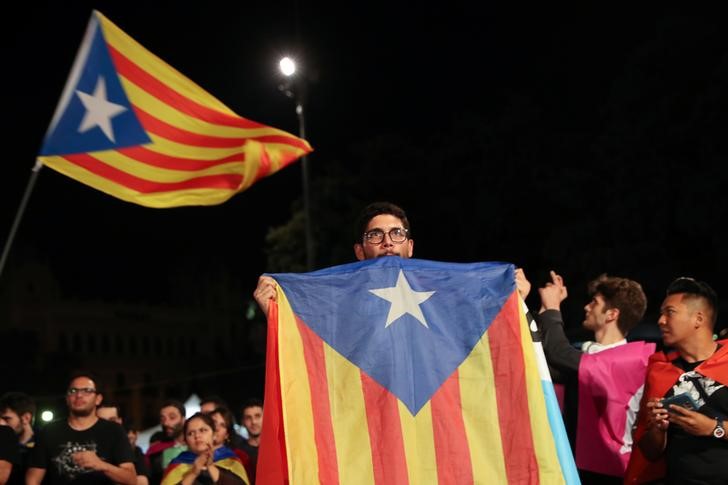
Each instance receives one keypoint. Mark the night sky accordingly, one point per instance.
(586, 139)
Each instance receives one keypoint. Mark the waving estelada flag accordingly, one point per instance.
(403, 371)
(130, 125)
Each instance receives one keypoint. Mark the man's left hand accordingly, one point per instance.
(692, 422)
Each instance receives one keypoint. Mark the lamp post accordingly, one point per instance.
(296, 91)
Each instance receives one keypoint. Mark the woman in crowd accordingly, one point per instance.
(203, 463)
(225, 435)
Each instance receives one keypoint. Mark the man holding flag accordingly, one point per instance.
(396, 370)
(385, 231)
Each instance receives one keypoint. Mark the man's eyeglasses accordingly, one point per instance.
(80, 390)
(397, 235)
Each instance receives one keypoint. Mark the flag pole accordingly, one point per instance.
(19, 215)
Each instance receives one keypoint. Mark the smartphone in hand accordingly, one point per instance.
(684, 400)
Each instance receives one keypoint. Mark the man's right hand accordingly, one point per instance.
(553, 293)
(265, 292)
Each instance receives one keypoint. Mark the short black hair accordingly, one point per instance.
(695, 289)
(174, 403)
(18, 402)
(217, 400)
(87, 374)
(253, 402)
(112, 404)
(378, 208)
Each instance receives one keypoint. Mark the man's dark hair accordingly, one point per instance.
(174, 403)
(87, 374)
(18, 402)
(693, 289)
(378, 208)
(253, 402)
(216, 400)
(114, 405)
(623, 294)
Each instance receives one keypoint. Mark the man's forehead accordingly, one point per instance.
(384, 221)
(170, 410)
(674, 300)
(252, 410)
(82, 382)
(8, 413)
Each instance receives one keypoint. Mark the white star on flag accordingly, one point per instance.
(99, 110)
(404, 300)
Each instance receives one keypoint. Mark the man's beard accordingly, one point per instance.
(174, 433)
(82, 413)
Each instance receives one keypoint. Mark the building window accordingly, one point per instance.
(119, 344)
(158, 346)
(105, 344)
(62, 342)
(132, 345)
(145, 345)
(91, 343)
(77, 344)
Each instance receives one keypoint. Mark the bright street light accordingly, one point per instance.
(46, 416)
(287, 66)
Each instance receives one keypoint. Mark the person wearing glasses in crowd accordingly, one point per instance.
(685, 442)
(382, 230)
(82, 448)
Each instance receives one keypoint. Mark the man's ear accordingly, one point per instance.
(359, 252)
(700, 319)
(99, 399)
(26, 418)
(411, 250)
(613, 315)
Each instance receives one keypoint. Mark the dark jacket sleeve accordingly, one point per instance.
(560, 354)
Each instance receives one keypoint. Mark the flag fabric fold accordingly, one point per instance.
(610, 389)
(132, 126)
(403, 371)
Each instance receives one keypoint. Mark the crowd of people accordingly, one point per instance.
(92, 445)
(638, 416)
(624, 385)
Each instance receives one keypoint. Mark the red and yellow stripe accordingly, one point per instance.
(201, 153)
(486, 424)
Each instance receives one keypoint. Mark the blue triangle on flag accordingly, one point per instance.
(78, 129)
(407, 358)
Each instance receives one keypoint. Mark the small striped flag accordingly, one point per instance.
(132, 126)
(404, 371)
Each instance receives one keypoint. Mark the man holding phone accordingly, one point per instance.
(675, 442)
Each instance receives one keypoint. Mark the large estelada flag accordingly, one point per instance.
(132, 126)
(403, 371)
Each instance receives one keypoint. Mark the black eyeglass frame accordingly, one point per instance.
(379, 234)
(81, 390)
